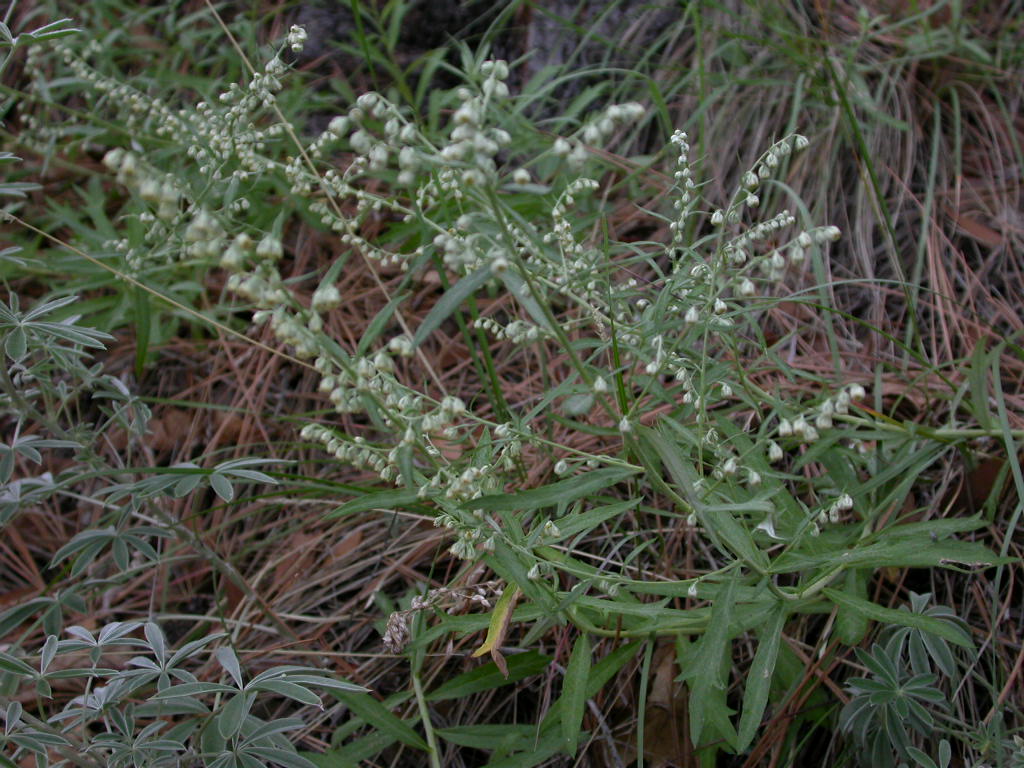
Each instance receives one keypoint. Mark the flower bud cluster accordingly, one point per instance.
(296, 38)
(142, 179)
(562, 230)
(517, 331)
(834, 513)
(599, 130)
(683, 176)
(806, 428)
(355, 451)
(472, 146)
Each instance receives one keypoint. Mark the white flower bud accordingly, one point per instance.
(113, 159)
(624, 425)
(600, 385)
(857, 392)
(326, 298)
(561, 467)
(774, 452)
(718, 218)
(269, 248)
(843, 403)
(520, 176)
(561, 147)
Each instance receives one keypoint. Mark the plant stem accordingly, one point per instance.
(428, 728)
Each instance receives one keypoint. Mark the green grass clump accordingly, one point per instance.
(441, 373)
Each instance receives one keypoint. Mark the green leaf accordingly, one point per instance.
(576, 522)
(503, 737)
(940, 627)
(560, 492)
(450, 302)
(574, 692)
(16, 345)
(898, 552)
(851, 626)
(759, 679)
(977, 376)
(600, 674)
(397, 499)
(518, 288)
(53, 30)
(6, 466)
(488, 676)
(222, 486)
(286, 757)
(707, 689)
(323, 681)
(735, 537)
(186, 485)
(232, 715)
(17, 666)
(192, 689)
(289, 690)
(538, 752)
(379, 323)
(377, 715)
(720, 520)
(228, 659)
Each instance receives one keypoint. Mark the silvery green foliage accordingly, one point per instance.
(487, 207)
(150, 709)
